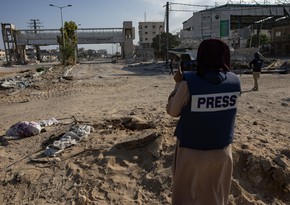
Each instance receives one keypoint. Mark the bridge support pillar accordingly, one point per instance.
(129, 34)
(9, 39)
(22, 54)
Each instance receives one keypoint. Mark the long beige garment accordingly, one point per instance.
(256, 76)
(202, 177)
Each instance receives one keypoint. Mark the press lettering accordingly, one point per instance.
(226, 101)
(214, 102)
(218, 101)
(201, 101)
(210, 102)
(233, 100)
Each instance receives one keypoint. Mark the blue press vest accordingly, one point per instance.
(207, 121)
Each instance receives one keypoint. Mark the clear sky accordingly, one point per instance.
(91, 13)
(96, 13)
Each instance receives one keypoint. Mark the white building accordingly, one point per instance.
(234, 23)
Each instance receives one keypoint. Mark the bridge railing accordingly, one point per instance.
(100, 35)
(85, 36)
(37, 37)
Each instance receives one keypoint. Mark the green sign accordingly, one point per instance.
(224, 28)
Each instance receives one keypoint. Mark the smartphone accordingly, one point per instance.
(188, 65)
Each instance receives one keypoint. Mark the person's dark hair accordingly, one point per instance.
(213, 55)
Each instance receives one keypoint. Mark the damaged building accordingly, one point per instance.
(237, 23)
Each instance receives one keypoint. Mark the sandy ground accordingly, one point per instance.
(128, 157)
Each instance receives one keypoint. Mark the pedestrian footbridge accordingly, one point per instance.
(44, 37)
(15, 40)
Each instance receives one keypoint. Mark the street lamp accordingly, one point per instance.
(61, 7)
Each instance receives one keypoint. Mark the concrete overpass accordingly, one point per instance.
(15, 40)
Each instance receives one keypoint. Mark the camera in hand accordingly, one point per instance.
(188, 65)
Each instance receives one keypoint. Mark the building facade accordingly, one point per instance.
(233, 23)
(147, 31)
(281, 40)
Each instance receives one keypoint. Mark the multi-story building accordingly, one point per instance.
(147, 31)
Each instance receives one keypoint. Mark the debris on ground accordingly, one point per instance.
(23, 129)
(73, 136)
(49, 122)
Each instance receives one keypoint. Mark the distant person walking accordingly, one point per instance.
(256, 65)
(171, 67)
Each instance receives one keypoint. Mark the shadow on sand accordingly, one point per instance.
(246, 91)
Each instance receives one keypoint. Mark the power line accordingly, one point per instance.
(229, 8)
(184, 10)
(34, 24)
(195, 5)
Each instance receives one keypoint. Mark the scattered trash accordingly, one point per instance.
(49, 122)
(27, 129)
(13, 83)
(23, 129)
(73, 136)
(21, 81)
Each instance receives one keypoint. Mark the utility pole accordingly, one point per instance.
(35, 24)
(167, 33)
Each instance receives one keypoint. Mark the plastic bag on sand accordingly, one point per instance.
(24, 129)
(72, 137)
(82, 130)
(67, 140)
(49, 122)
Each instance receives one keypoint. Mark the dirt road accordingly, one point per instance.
(123, 104)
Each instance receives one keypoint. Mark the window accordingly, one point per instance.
(278, 33)
(128, 33)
